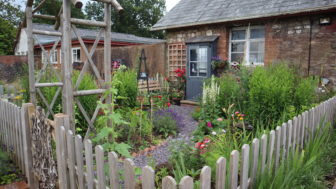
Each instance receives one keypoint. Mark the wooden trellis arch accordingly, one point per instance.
(64, 26)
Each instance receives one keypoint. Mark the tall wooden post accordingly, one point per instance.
(30, 45)
(107, 51)
(26, 111)
(67, 95)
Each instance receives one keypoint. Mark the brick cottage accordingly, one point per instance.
(252, 32)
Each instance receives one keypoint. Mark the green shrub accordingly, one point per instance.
(270, 92)
(8, 172)
(304, 95)
(165, 125)
(127, 87)
(88, 102)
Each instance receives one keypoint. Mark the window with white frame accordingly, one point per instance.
(247, 45)
(53, 57)
(76, 55)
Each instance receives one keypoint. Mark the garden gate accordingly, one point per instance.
(70, 92)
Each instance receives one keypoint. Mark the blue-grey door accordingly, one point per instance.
(198, 69)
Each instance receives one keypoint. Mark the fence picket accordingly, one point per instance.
(129, 174)
(255, 159)
(277, 146)
(263, 152)
(284, 141)
(234, 160)
(271, 150)
(220, 173)
(89, 163)
(148, 177)
(113, 170)
(186, 183)
(100, 167)
(244, 166)
(294, 133)
(289, 139)
(71, 159)
(168, 182)
(205, 177)
(79, 161)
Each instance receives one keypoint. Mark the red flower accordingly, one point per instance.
(168, 104)
(209, 124)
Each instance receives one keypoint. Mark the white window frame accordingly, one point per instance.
(72, 54)
(52, 60)
(247, 41)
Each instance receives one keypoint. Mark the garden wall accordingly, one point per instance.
(155, 53)
(11, 67)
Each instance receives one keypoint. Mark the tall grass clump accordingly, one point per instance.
(127, 87)
(304, 169)
(270, 92)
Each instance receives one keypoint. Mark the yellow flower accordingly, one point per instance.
(241, 118)
(18, 97)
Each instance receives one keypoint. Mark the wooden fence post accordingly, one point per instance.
(60, 120)
(27, 109)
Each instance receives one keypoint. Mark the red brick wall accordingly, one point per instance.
(11, 67)
(286, 39)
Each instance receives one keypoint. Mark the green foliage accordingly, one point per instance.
(127, 87)
(89, 102)
(138, 18)
(165, 125)
(8, 172)
(229, 92)
(180, 169)
(7, 37)
(52, 7)
(271, 91)
(11, 13)
(304, 94)
(160, 174)
(306, 169)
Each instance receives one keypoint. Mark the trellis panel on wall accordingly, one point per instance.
(177, 58)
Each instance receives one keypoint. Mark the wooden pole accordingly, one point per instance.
(107, 52)
(27, 109)
(67, 95)
(29, 31)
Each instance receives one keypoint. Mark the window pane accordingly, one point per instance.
(78, 55)
(238, 34)
(237, 57)
(202, 68)
(257, 33)
(238, 47)
(203, 54)
(193, 55)
(256, 58)
(193, 68)
(257, 46)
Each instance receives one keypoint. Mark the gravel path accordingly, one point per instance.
(185, 128)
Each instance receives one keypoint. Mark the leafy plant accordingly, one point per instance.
(8, 172)
(164, 124)
(127, 87)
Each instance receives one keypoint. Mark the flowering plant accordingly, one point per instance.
(201, 146)
(217, 62)
(178, 87)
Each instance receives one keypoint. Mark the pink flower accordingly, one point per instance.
(202, 146)
(198, 144)
(206, 140)
(236, 112)
(209, 124)
(242, 115)
(220, 119)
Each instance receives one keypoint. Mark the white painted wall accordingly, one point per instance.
(22, 46)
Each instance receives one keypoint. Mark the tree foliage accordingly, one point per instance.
(10, 12)
(7, 37)
(139, 16)
(10, 17)
(52, 7)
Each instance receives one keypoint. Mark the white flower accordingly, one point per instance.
(224, 131)
(323, 91)
(214, 133)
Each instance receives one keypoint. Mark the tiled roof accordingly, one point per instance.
(92, 34)
(197, 12)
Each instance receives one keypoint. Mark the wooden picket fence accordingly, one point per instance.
(81, 167)
(16, 138)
